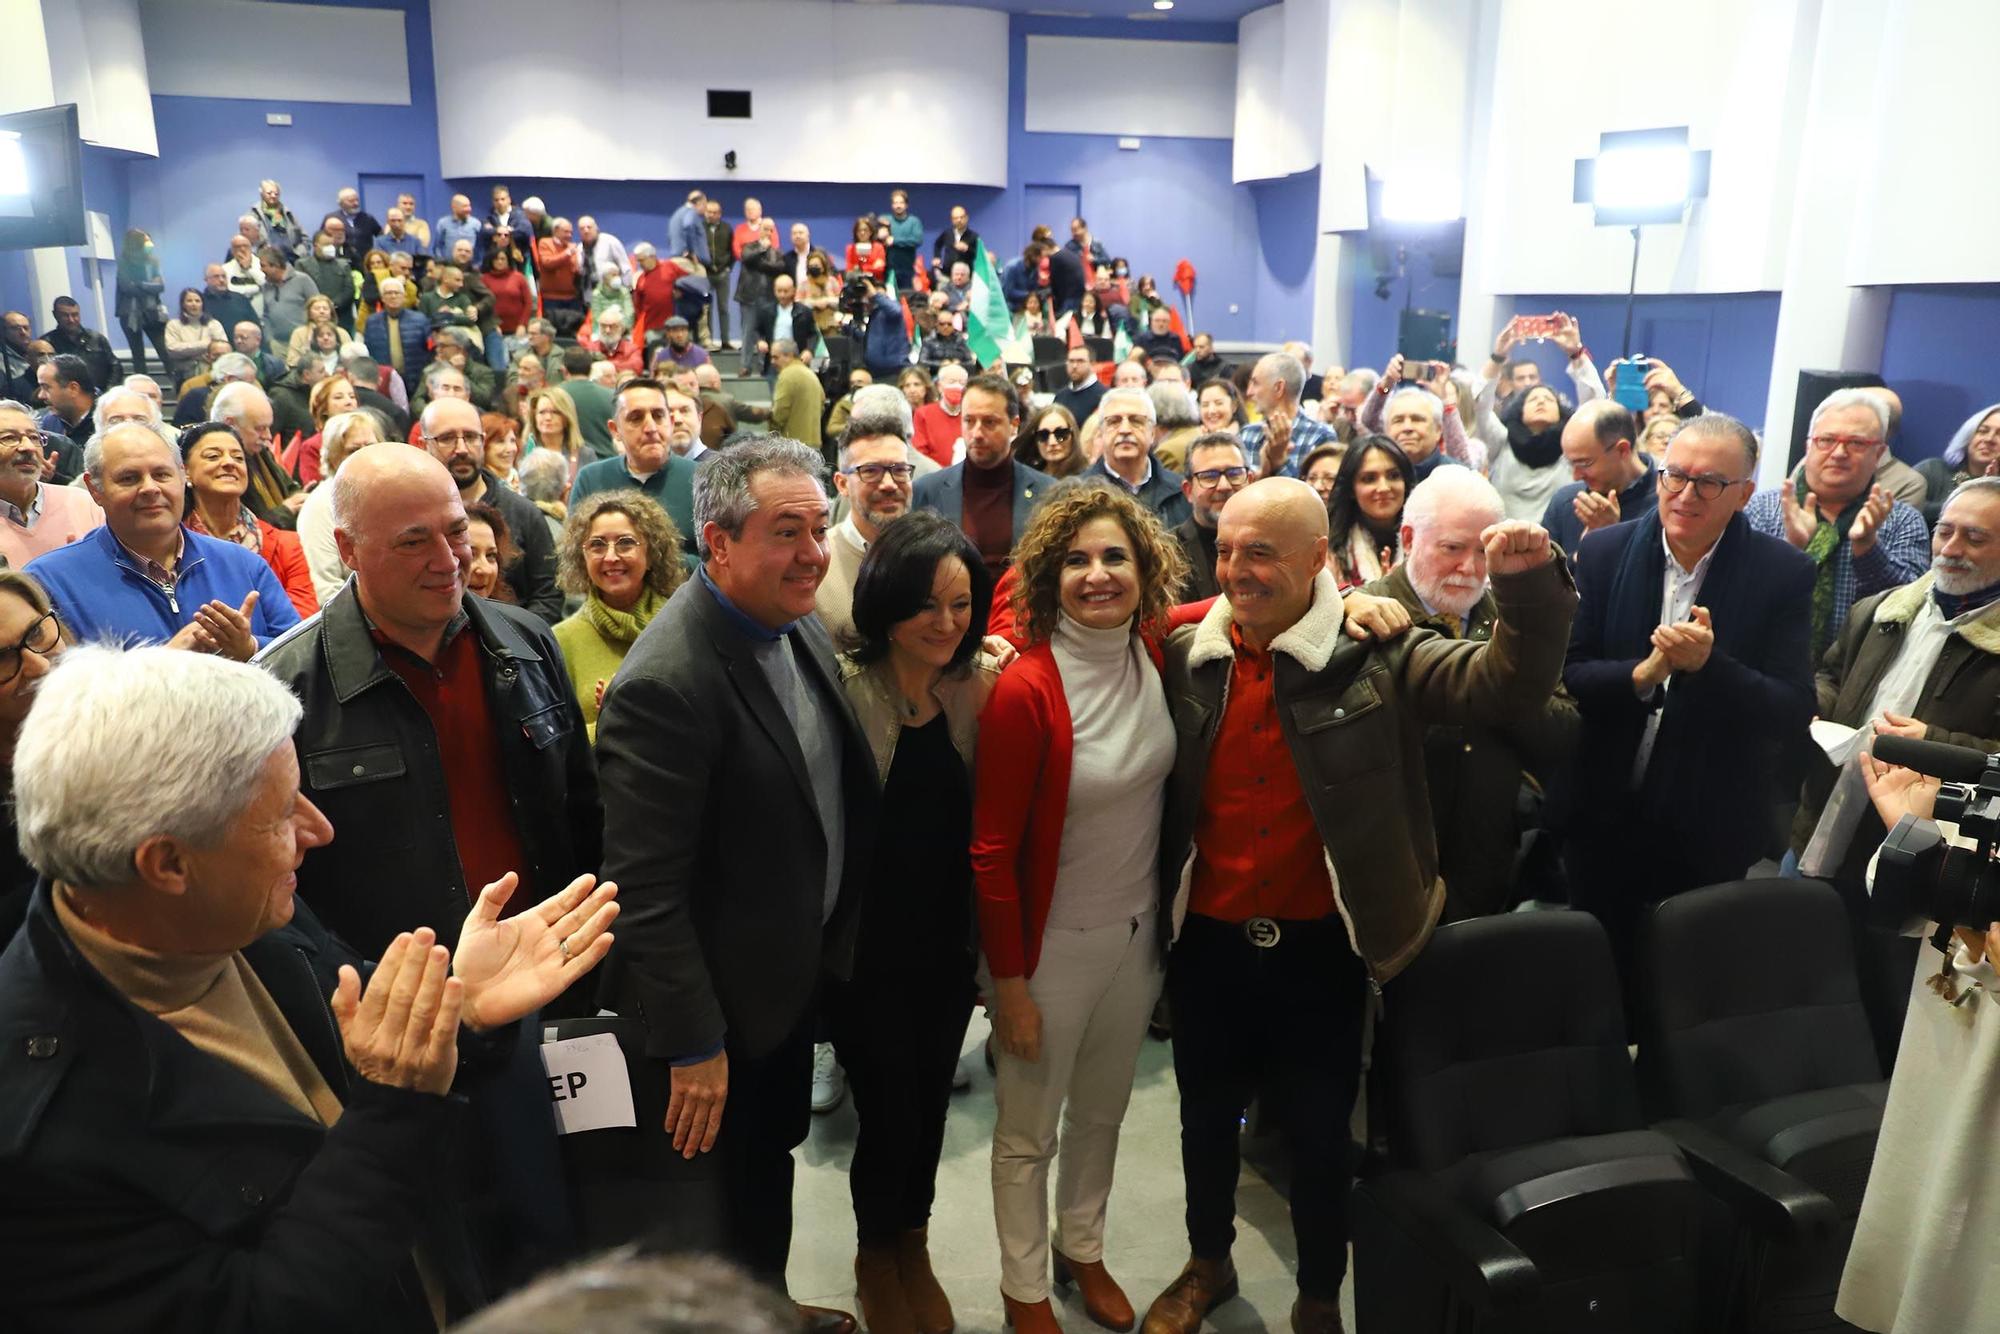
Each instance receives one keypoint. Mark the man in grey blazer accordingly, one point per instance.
(991, 494)
(739, 805)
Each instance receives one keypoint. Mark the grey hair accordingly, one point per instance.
(93, 449)
(1172, 408)
(1728, 428)
(871, 399)
(544, 475)
(645, 248)
(1285, 367)
(233, 366)
(1359, 381)
(612, 314)
(1842, 399)
(136, 378)
(558, 222)
(1966, 487)
(333, 436)
(1131, 394)
(97, 413)
(1447, 486)
(872, 421)
(625, 1292)
(436, 371)
(603, 372)
(124, 745)
(10, 405)
(1432, 403)
(784, 347)
(722, 482)
(230, 400)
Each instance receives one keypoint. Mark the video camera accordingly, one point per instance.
(1920, 876)
(856, 295)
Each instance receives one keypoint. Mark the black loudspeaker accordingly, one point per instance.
(1814, 386)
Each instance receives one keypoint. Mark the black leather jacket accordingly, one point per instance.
(368, 758)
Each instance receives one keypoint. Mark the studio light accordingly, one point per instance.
(1641, 176)
(13, 166)
(1637, 177)
(1163, 4)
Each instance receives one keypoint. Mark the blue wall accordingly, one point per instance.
(1939, 353)
(1252, 246)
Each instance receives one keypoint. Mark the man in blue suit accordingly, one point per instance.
(1689, 662)
(991, 494)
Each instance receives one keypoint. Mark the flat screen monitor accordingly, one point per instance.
(41, 179)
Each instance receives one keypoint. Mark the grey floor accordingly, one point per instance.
(1146, 1244)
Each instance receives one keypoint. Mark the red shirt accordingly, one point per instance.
(513, 303)
(934, 432)
(1257, 851)
(452, 694)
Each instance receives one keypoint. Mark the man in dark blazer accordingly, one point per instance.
(739, 801)
(1068, 280)
(783, 316)
(956, 242)
(991, 493)
(1689, 663)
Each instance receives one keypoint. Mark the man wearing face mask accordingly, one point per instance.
(936, 431)
(331, 274)
(1474, 771)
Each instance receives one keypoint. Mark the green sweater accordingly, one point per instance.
(595, 641)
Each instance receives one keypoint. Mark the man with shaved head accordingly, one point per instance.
(1306, 854)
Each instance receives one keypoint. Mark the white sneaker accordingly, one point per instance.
(829, 1080)
(961, 1078)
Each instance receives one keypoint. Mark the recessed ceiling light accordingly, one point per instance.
(1163, 4)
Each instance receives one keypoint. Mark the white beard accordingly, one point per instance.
(1451, 599)
(1956, 581)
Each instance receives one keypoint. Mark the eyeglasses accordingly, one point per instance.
(1208, 478)
(1117, 419)
(599, 546)
(453, 439)
(872, 473)
(10, 440)
(1845, 444)
(1053, 433)
(40, 639)
(1708, 486)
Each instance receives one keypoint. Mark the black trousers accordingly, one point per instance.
(1282, 1025)
(898, 1035)
(135, 338)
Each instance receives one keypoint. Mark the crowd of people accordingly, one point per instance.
(1151, 690)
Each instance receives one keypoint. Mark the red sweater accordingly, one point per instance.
(934, 433)
(875, 263)
(513, 303)
(555, 266)
(1020, 797)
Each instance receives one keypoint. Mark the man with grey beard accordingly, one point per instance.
(1475, 772)
(1920, 661)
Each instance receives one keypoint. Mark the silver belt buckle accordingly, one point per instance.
(1262, 932)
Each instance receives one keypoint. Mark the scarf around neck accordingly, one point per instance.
(621, 627)
(1825, 542)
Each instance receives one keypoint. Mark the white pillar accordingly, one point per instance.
(1823, 323)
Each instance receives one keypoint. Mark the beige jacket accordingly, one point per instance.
(962, 694)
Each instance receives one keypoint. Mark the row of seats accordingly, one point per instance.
(1537, 1180)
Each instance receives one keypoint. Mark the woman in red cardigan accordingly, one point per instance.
(1074, 751)
(864, 253)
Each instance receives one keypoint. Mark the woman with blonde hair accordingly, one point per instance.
(302, 343)
(621, 552)
(343, 433)
(328, 399)
(552, 425)
(1075, 746)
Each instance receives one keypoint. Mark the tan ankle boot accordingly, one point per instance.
(879, 1288)
(1103, 1300)
(929, 1307)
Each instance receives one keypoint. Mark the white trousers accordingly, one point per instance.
(1095, 990)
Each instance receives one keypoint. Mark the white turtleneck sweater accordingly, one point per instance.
(1124, 749)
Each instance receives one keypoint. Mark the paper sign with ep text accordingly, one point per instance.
(589, 1088)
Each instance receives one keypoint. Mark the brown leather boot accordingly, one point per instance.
(1316, 1315)
(1103, 1300)
(1202, 1286)
(1031, 1317)
(824, 1320)
(879, 1289)
(929, 1307)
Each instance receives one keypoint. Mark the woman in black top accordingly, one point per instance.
(917, 683)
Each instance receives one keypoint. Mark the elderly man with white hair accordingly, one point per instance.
(228, 368)
(144, 578)
(123, 403)
(1127, 429)
(274, 495)
(1279, 443)
(246, 1124)
(1475, 771)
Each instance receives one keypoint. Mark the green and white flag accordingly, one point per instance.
(986, 320)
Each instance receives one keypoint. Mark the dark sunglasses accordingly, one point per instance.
(1053, 433)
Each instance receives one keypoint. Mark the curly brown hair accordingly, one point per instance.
(665, 571)
(1038, 558)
